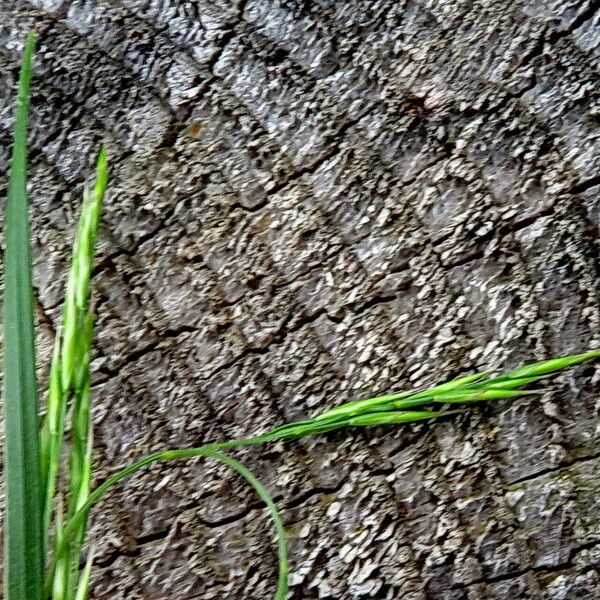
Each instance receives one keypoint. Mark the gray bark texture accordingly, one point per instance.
(312, 202)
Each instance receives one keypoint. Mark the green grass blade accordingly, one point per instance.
(24, 539)
(83, 586)
(209, 451)
(261, 490)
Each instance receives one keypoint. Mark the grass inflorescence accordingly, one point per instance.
(70, 389)
(48, 469)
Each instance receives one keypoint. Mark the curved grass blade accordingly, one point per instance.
(209, 451)
(261, 490)
(24, 540)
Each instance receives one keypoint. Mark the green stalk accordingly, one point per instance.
(24, 539)
(61, 574)
(83, 585)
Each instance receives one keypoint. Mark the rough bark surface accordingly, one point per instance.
(313, 201)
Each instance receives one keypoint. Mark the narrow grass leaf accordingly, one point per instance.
(83, 585)
(24, 539)
(209, 451)
(261, 490)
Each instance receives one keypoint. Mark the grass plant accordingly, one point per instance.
(48, 481)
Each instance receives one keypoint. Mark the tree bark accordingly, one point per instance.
(312, 202)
